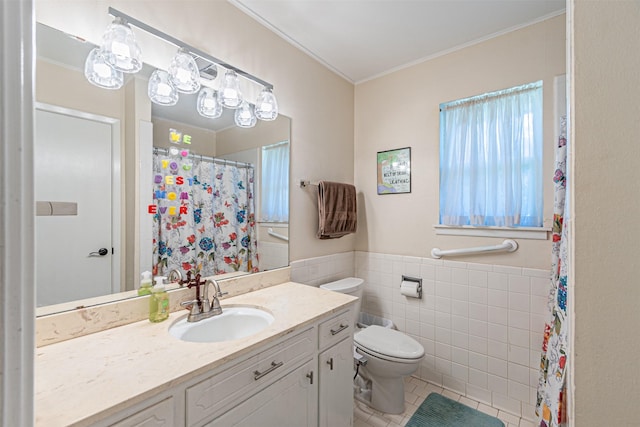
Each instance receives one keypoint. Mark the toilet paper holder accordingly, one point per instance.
(417, 281)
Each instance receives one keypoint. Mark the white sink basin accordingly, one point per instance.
(234, 323)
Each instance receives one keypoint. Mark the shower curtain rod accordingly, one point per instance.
(165, 151)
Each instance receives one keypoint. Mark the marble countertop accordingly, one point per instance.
(94, 376)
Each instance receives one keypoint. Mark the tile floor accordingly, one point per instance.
(415, 392)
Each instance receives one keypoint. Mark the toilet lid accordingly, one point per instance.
(345, 286)
(388, 342)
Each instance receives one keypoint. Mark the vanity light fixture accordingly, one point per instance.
(266, 105)
(244, 116)
(230, 94)
(161, 90)
(101, 74)
(120, 48)
(120, 52)
(208, 104)
(184, 72)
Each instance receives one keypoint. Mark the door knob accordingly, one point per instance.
(101, 252)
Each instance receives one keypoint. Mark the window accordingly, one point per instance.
(275, 183)
(491, 159)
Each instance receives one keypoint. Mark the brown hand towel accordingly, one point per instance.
(337, 214)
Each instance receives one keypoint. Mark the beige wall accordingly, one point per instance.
(203, 141)
(234, 139)
(402, 110)
(606, 112)
(66, 87)
(319, 102)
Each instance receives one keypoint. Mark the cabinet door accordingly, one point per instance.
(336, 385)
(289, 402)
(158, 415)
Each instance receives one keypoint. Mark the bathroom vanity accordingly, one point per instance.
(296, 372)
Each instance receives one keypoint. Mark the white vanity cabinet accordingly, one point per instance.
(291, 401)
(160, 414)
(302, 378)
(335, 372)
(262, 377)
(335, 380)
(312, 386)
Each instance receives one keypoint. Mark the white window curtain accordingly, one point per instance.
(491, 159)
(275, 183)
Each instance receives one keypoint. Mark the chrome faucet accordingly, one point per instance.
(214, 307)
(201, 307)
(175, 276)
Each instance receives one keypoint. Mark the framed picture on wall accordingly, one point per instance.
(394, 171)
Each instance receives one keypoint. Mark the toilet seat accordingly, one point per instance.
(388, 344)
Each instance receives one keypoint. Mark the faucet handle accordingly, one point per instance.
(193, 306)
(215, 306)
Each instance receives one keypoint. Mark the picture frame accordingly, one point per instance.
(394, 171)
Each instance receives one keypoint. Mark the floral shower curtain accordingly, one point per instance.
(551, 407)
(215, 233)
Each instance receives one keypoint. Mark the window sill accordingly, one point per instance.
(534, 233)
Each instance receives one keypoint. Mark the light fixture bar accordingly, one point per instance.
(149, 29)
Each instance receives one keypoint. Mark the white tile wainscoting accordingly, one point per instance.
(481, 325)
(323, 269)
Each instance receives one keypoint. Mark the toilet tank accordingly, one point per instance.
(352, 286)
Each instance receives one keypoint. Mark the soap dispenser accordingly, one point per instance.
(145, 284)
(159, 302)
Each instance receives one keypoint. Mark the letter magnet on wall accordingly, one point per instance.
(175, 136)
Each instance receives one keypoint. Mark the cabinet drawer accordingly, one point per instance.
(289, 402)
(160, 414)
(228, 388)
(335, 329)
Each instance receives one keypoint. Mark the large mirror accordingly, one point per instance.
(108, 164)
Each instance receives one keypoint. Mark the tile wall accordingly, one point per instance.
(324, 269)
(480, 324)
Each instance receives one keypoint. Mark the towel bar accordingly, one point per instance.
(304, 183)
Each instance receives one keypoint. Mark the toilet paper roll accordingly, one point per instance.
(410, 288)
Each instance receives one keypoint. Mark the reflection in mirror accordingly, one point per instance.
(110, 185)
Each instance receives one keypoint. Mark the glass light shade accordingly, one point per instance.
(266, 105)
(244, 116)
(101, 74)
(161, 90)
(184, 72)
(208, 104)
(230, 94)
(120, 49)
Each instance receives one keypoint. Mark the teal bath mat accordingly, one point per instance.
(440, 411)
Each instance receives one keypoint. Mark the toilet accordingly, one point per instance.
(390, 356)
(352, 286)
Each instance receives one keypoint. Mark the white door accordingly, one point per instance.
(73, 163)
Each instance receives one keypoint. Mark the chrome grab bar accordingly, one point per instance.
(508, 245)
(277, 235)
(257, 374)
